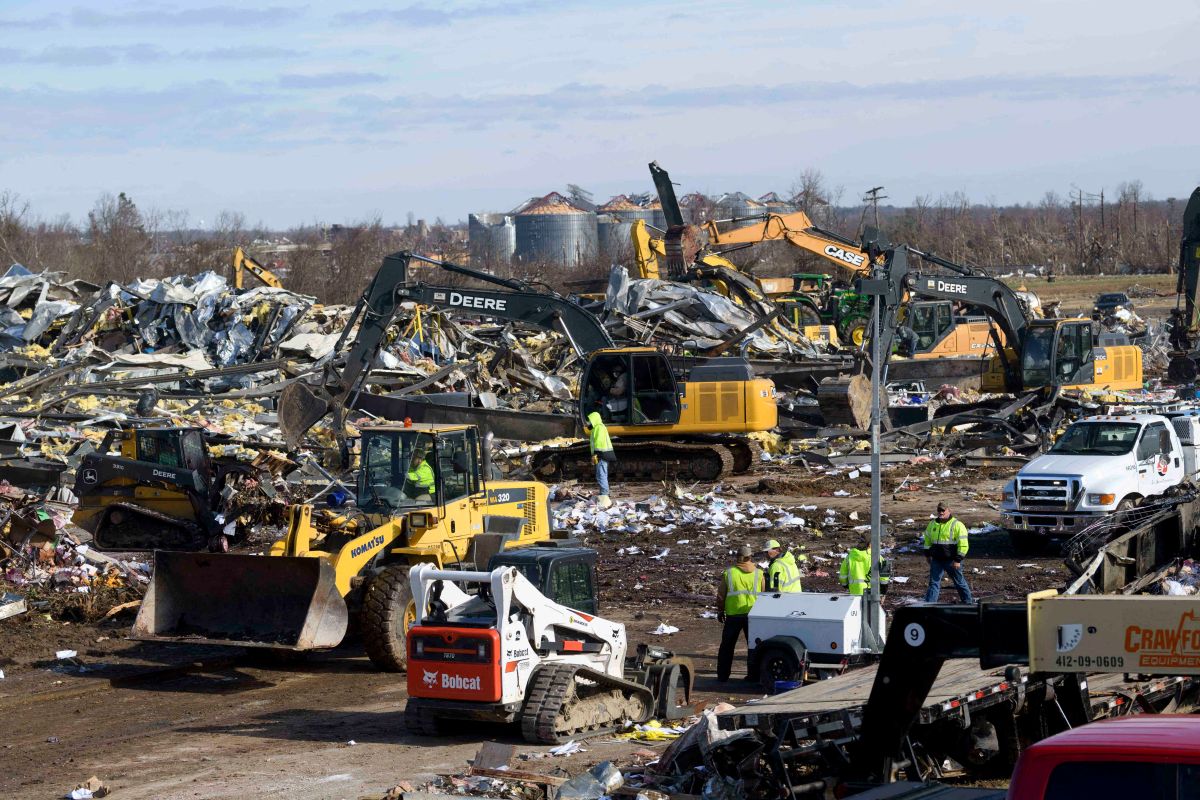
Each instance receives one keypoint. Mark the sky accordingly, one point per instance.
(340, 112)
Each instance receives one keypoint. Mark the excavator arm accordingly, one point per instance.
(243, 263)
(799, 231)
(302, 405)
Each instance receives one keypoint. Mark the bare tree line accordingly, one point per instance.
(1084, 233)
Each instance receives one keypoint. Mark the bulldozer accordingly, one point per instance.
(421, 497)
(160, 489)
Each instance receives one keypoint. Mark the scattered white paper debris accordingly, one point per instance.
(61, 654)
(853, 515)
(899, 579)
(841, 493)
(351, 743)
(567, 749)
(661, 555)
(853, 474)
(703, 615)
(664, 629)
(1025, 566)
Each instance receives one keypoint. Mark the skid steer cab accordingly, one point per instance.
(491, 647)
(154, 488)
(421, 498)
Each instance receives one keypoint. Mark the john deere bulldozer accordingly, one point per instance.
(421, 498)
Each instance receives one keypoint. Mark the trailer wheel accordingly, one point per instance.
(386, 615)
(778, 664)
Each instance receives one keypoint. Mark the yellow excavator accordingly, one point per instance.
(243, 263)
(423, 497)
(669, 417)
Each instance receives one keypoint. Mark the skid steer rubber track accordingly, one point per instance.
(644, 460)
(126, 526)
(566, 701)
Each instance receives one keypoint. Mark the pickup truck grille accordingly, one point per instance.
(1046, 494)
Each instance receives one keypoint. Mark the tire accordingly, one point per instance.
(1132, 501)
(855, 332)
(1025, 543)
(386, 613)
(808, 316)
(777, 664)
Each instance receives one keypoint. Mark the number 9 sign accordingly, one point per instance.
(914, 635)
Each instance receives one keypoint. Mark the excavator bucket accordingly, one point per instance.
(279, 602)
(300, 407)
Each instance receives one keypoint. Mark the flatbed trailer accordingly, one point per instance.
(981, 718)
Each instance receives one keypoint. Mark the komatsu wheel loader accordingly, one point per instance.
(510, 654)
(421, 498)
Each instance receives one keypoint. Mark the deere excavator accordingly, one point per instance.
(243, 263)
(422, 496)
(680, 417)
(1028, 354)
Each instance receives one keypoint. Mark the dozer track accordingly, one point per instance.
(651, 460)
(569, 700)
(126, 526)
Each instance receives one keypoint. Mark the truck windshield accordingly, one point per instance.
(398, 471)
(1035, 361)
(1097, 438)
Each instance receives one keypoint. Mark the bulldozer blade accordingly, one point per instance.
(300, 407)
(279, 602)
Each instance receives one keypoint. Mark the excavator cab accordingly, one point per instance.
(630, 387)
(1058, 353)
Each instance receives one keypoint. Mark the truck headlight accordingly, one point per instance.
(1101, 499)
(1009, 496)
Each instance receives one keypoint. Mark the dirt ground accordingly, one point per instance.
(170, 721)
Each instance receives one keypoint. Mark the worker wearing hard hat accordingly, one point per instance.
(855, 571)
(740, 585)
(783, 573)
(945, 548)
(601, 446)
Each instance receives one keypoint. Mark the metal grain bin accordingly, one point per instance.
(492, 237)
(696, 208)
(612, 236)
(552, 230)
(772, 203)
(737, 205)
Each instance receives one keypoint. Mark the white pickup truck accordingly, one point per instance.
(1099, 465)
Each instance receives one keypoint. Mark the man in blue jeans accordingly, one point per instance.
(945, 548)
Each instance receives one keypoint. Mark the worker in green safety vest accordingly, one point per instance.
(783, 573)
(420, 473)
(600, 444)
(740, 585)
(855, 571)
(946, 546)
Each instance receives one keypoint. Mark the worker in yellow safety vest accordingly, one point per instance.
(601, 446)
(946, 546)
(855, 571)
(420, 473)
(740, 585)
(783, 573)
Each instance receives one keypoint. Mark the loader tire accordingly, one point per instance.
(386, 606)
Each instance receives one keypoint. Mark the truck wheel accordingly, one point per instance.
(778, 664)
(387, 613)
(1133, 501)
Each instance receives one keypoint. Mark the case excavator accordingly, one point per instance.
(679, 417)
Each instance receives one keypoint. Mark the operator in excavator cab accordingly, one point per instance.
(420, 473)
(602, 454)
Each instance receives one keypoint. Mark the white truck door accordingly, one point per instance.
(1159, 461)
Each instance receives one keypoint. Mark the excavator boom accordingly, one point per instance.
(243, 263)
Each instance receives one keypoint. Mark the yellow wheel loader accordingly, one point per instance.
(421, 498)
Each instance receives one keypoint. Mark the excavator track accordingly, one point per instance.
(651, 460)
(126, 526)
(567, 700)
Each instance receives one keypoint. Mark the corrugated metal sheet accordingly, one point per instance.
(493, 239)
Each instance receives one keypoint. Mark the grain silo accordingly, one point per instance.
(493, 238)
(738, 205)
(772, 203)
(658, 219)
(551, 229)
(696, 208)
(612, 237)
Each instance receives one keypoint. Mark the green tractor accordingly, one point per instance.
(816, 299)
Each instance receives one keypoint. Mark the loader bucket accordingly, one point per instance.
(300, 407)
(278, 602)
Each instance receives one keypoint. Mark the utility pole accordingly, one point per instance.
(873, 197)
(1079, 225)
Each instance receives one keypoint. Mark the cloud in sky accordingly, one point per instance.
(449, 106)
